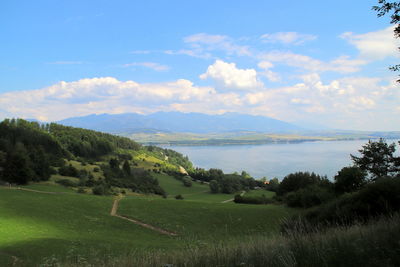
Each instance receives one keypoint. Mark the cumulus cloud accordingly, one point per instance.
(99, 95)
(287, 38)
(374, 45)
(228, 76)
(352, 102)
(151, 65)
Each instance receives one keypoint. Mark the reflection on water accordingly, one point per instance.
(275, 160)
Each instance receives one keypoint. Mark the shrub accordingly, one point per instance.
(253, 200)
(310, 196)
(298, 180)
(379, 198)
(187, 181)
(68, 171)
(179, 197)
(101, 189)
(66, 182)
(349, 179)
(81, 190)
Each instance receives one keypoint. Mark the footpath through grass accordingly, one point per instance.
(202, 221)
(35, 225)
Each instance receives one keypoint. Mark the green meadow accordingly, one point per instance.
(37, 226)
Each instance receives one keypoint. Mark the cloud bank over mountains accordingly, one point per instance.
(349, 100)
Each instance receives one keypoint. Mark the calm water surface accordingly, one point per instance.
(275, 160)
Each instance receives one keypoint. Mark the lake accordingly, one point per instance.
(275, 160)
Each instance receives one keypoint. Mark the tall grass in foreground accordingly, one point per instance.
(374, 244)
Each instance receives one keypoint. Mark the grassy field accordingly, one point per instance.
(197, 192)
(256, 193)
(202, 221)
(34, 225)
(372, 244)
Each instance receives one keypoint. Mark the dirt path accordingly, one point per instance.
(36, 191)
(232, 199)
(114, 210)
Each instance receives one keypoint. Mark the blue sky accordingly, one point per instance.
(314, 62)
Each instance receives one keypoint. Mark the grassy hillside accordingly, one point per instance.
(202, 221)
(37, 225)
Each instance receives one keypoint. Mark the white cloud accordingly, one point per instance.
(362, 102)
(228, 76)
(352, 102)
(341, 64)
(195, 52)
(202, 44)
(287, 38)
(140, 52)
(151, 65)
(99, 95)
(270, 75)
(374, 45)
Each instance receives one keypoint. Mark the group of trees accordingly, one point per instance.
(369, 188)
(224, 183)
(173, 157)
(87, 143)
(27, 152)
(377, 160)
(121, 174)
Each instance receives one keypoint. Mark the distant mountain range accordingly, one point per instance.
(180, 122)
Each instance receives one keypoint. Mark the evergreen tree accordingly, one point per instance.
(126, 168)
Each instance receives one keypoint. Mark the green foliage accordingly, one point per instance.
(375, 199)
(179, 197)
(187, 181)
(68, 170)
(101, 189)
(349, 179)
(377, 158)
(87, 143)
(253, 199)
(27, 152)
(126, 168)
(309, 196)
(67, 183)
(171, 156)
(138, 179)
(227, 183)
(299, 180)
(392, 8)
(273, 185)
(214, 186)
